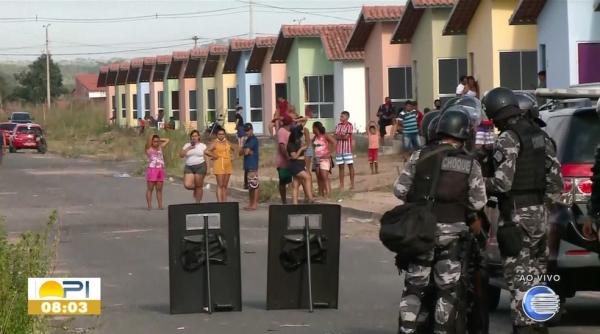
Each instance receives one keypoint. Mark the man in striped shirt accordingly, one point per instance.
(344, 153)
(410, 127)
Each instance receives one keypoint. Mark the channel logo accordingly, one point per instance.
(540, 303)
(60, 296)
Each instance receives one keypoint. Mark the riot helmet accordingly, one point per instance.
(426, 122)
(498, 103)
(455, 122)
(529, 107)
(450, 102)
(432, 129)
(473, 107)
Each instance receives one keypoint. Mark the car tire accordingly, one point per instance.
(42, 149)
(493, 297)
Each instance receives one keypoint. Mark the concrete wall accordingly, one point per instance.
(130, 90)
(119, 91)
(155, 87)
(187, 85)
(171, 85)
(480, 44)
(222, 82)
(393, 56)
(553, 32)
(584, 26)
(271, 74)
(142, 88)
(205, 85)
(244, 80)
(349, 91)
(110, 92)
(423, 54)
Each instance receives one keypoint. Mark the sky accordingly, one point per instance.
(103, 30)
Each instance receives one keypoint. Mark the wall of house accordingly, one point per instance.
(271, 74)
(187, 84)
(553, 32)
(374, 67)
(171, 85)
(119, 90)
(142, 88)
(222, 82)
(130, 89)
(200, 98)
(394, 55)
(155, 87)
(423, 54)
(480, 44)
(205, 85)
(349, 91)
(110, 92)
(584, 26)
(244, 80)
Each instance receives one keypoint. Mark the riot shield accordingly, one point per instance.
(304, 255)
(204, 258)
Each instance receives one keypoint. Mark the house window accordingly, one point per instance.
(175, 104)
(211, 108)
(135, 106)
(318, 92)
(400, 85)
(588, 55)
(449, 73)
(147, 105)
(281, 90)
(193, 106)
(542, 57)
(123, 106)
(114, 107)
(231, 104)
(518, 70)
(161, 105)
(256, 103)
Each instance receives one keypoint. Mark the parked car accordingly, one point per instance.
(28, 136)
(6, 129)
(20, 117)
(575, 127)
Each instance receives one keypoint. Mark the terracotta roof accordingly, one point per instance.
(241, 44)
(265, 42)
(124, 65)
(114, 67)
(137, 62)
(218, 49)
(527, 11)
(88, 80)
(149, 60)
(460, 17)
(303, 30)
(181, 55)
(408, 23)
(164, 59)
(104, 69)
(334, 42)
(201, 52)
(367, 19)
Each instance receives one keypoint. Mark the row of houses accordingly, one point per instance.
(417, 51)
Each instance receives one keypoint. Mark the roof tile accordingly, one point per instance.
(303, 30)
(88, 80)
(114, 67)
(241, 44)
(266, 42)
(334, 41)
(149, 60)
(218, 49)
(137, 62)
(104, 69)
(433, 3)
(381, 13)
(164, 59)
(124, 65)
(181, 55)
(201, 52)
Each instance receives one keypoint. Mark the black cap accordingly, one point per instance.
(248, 126)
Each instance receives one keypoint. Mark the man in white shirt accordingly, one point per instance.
(462, 88)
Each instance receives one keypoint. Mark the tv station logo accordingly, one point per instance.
(540, 303)
(63, 296)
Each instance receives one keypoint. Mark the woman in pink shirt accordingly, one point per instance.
(155, 173)
(322, 147)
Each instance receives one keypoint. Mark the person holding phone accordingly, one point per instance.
(195, 165)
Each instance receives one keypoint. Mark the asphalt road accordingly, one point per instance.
(107, 232)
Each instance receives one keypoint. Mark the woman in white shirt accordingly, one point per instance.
(195, 165)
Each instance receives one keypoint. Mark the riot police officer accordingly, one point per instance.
(594, 201)
(460, 189)
(529, 107)
(428, 120)
(525, 174)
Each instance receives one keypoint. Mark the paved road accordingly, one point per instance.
(106, 232)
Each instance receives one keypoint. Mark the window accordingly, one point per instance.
(543, 57)
(114, 107)
(231, 104)
(318, 95)
(281, 90)
(161, 102)
(518, 70)
(175, 104)
(256, 103)
(400, 84)
(588, 55)
(123, 107)
(147, 105)
(450, 71)
(135, 106)
(193, 106)
(211, 108)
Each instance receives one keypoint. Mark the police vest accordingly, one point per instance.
(530, 171)
(452, 191)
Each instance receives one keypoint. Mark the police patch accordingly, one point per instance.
(454, 164)
(498, 156)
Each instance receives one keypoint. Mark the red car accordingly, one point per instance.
(27, 136)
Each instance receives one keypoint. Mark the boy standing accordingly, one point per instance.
(250, 153)
(344, 154)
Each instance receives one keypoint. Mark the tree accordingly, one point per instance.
(32, 81)
(4, 89)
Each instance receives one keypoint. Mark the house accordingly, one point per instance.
(121, 94)
(132, 90)
(109, 87)
(145, 66)
(158, 87)
(187, 88)
(568, 39)
(273, 76)
(249, 85)
(498, 54)
(311, 73)
(224, 93)
(386, 65)
(438, 60)
(200, 112)
(86, 87)
(171, 89)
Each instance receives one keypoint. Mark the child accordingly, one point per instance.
(155, 173)
(373, 136)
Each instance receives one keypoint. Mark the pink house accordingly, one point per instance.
(388, 69)
(274, 76)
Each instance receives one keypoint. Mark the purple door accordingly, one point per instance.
(589, 68)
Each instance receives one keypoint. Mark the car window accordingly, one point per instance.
(7, 126)
(29, 131)
(576, 136)
(20, 116)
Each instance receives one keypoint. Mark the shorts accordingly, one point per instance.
(284, 176)
(296, 167)
(251, 179)
(199, 169)
(373, 154)
(222, 166)
(344, 159)
(241, 133)
(322, 164)
(310, 152)
(155, 174)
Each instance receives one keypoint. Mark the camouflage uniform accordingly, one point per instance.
(446, 272)
(532, 219)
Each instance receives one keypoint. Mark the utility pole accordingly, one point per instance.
(299, 20)
(47, 74)
(250, 20)
(195, 38)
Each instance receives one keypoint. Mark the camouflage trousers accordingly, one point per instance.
(531, 260)
(446, 268)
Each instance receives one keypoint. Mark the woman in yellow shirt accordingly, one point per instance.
(220, 150)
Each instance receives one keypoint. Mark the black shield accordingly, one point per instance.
(187, 266)
(287, 276)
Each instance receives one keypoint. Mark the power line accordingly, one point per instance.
(296, 11)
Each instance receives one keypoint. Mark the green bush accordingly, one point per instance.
(29, 256)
